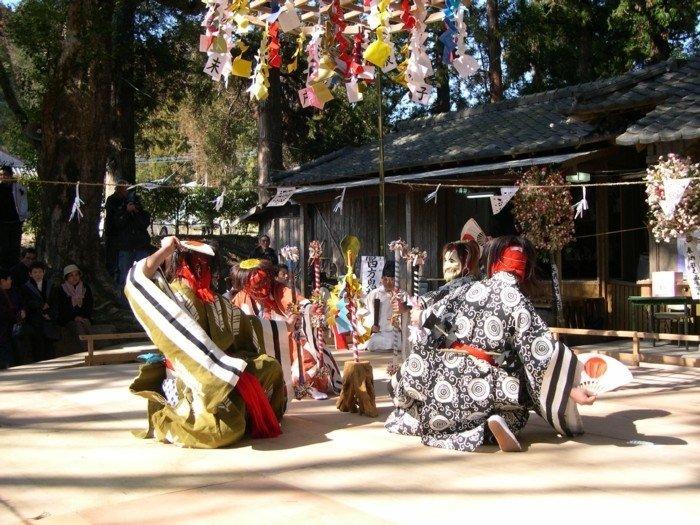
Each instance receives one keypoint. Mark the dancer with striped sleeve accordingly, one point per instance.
(213, 385)
(484, 358)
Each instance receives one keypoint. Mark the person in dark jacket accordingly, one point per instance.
(13, 212)
(12, 314)
(20, 271)
(73, 302)
(263, 251)
(40, 324)
(130, 223)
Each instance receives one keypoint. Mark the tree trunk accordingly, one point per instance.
(122, 155)
(494, 51)
(442, 81)
(269, 135)
(75, 137)
(585, 44)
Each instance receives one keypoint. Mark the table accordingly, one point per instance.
(654, 303)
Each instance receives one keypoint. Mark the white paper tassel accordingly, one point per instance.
(433, 195)
(581, 205)
(338, 208)
(219, 201)
(77, 202)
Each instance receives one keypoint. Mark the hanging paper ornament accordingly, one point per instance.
(465, 65)
(344, 60)
(273, 49)
(581, 205)
(433, 195)
(219, 201)
(419, 66)
(259, 87)
(288, 18)
(498, 202)
(77, 203)
(294, 64)
(338, 208)
(242, 67)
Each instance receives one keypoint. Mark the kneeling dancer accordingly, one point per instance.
(488, 359)
(213, 385)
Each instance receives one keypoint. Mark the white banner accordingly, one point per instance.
(371, 271)
(692, 272)
(282, 196)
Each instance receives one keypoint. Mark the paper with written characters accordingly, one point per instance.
(372, 267)
(282, 196)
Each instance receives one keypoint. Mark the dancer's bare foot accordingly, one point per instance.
(505, 438)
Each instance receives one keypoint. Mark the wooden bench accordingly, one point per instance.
(107, 357)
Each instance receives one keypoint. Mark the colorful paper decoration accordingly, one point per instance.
(419, 65)
(288, 18)
(498, 202)
(259, 87)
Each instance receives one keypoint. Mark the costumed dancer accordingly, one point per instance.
(211, 385)
(484, 360)
(314, 370)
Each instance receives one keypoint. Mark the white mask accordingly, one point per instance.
(451, 265)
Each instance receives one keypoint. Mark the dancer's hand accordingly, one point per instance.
(169, 245)
(416, 315)
(581, 396)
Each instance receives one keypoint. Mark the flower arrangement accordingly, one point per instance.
(684, 219)
(544, 215)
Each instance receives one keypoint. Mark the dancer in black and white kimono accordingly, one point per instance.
(484, 359)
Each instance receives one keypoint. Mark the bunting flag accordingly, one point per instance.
(282, 195)
(673, 193)
(498, 202)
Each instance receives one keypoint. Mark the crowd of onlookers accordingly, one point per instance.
(38, 308)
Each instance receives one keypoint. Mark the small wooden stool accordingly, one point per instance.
(357, 395)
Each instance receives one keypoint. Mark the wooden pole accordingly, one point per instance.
(382, 211)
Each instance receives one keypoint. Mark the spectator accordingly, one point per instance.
(41, 328)
(282, 274)
(13, 212)
(73, 302)
(12, 316)
(20, 271)
(263, 251)
(113, 206)
(133, 241)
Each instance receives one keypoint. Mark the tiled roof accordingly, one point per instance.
(553, 120)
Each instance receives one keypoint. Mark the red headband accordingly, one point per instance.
(513, 260)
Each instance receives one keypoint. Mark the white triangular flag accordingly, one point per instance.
(353, 90)
(77, 202)
(498, 202)
(673, 193)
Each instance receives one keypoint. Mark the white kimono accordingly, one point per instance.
(388, 337)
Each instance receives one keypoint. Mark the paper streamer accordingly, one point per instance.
(433, 195)
(219, 201)
(581, 205)
(338, 208)
(77, 203)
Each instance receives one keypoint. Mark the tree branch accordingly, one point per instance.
(190, 7)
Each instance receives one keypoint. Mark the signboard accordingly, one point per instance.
(371, 272)
(282, 196)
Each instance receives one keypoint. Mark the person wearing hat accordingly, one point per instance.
(212, 384)
(74, 302)
(386, 336)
